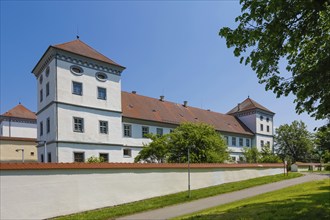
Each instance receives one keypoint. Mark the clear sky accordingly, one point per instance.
(169, 48)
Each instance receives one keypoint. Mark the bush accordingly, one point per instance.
(94, 159)
(327, 167)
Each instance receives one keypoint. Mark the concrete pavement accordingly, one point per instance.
(201, 204)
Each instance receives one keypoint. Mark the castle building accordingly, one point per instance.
(82, 111)
(18, 132)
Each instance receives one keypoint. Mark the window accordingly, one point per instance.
(41, 95)
(79, 157)
(49, 157)
(268, 143)
(40, 79)
(127, 130)
(261, 118)
(32, 153)
(261, 127)
(101, 76)
(159, 131)
(103, 127)
(41, 127)
(241, 142)
(76, 70)
(77, 88)
(233, 141)
(233, 158)
(127, 153)
(105, 157)
(267, 119)
(261, 143)
(42, 158)
(145, 131)
(101, 93)
(171, 130)
(267, 128)
(48, 125)
(227, 140)
(247, 142)
(78, 124)
(47, 71)
(47, 89)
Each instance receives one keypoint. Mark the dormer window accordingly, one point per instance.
(101, 76)
(76, 70)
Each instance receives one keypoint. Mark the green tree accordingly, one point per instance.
(267, 156)
(294, 142)
(94, 159)
(322, 142)
(206, 146)
(251, 155)
(293, 31)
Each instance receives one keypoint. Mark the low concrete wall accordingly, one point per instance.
(38, 191)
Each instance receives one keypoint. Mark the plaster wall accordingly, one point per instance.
(8, 151)
(40, 194)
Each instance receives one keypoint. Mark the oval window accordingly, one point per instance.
(101, 76)
(77, 70)
(47, 71)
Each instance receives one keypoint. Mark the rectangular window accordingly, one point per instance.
(77, 88)
(261, 127)
(171, 130)
(261, 143)
(247, 142)
(127, 130)
(233, 141)
(227, 140)
(47, 89)
(233, 158)
(42, 158)
(145, 131)
(48, 125)
(49, 157)
(268, 143)
(105, 157)
(79, 157)
(101, 93)
(127, 153)
(41, 95)
(267, 128)
(159, 131)
(41, 127)
(241, 142)
(103, 127)
(78, 124)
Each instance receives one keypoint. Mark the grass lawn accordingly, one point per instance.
(172, 199)
(305, 201)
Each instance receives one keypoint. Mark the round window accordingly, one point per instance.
(77, 70)
(101, 76)
(47, 71)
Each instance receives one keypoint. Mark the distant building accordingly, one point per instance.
(18, 130)
(82, 111)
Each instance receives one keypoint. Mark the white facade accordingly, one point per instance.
(80, 113)
(18, 128)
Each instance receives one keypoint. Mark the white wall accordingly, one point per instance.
(39, 194)
(18, 129)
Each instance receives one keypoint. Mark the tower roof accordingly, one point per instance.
(20, 111)
(248, 104)
(80, 48)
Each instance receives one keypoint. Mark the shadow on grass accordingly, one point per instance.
(314, 206)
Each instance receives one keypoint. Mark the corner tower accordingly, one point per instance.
(258, 119)
(79, 96)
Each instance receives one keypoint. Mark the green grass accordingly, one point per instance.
(305, 201)
(172, 199)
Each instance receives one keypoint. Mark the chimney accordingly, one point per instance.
(238, 107)
(185, 103)
(161, 98)
(134, 92)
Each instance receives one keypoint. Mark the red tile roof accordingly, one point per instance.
(4, 138)
(145, 108)
(20, 111)
(80, 48)
(248, 104)
(59, 166)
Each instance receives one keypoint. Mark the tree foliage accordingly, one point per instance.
(251, 155)
(94, 159)
(294, 142)
(204, 143)
(271, 31)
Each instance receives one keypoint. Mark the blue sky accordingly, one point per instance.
(169, 48)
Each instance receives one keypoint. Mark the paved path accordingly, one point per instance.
(201, 204)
